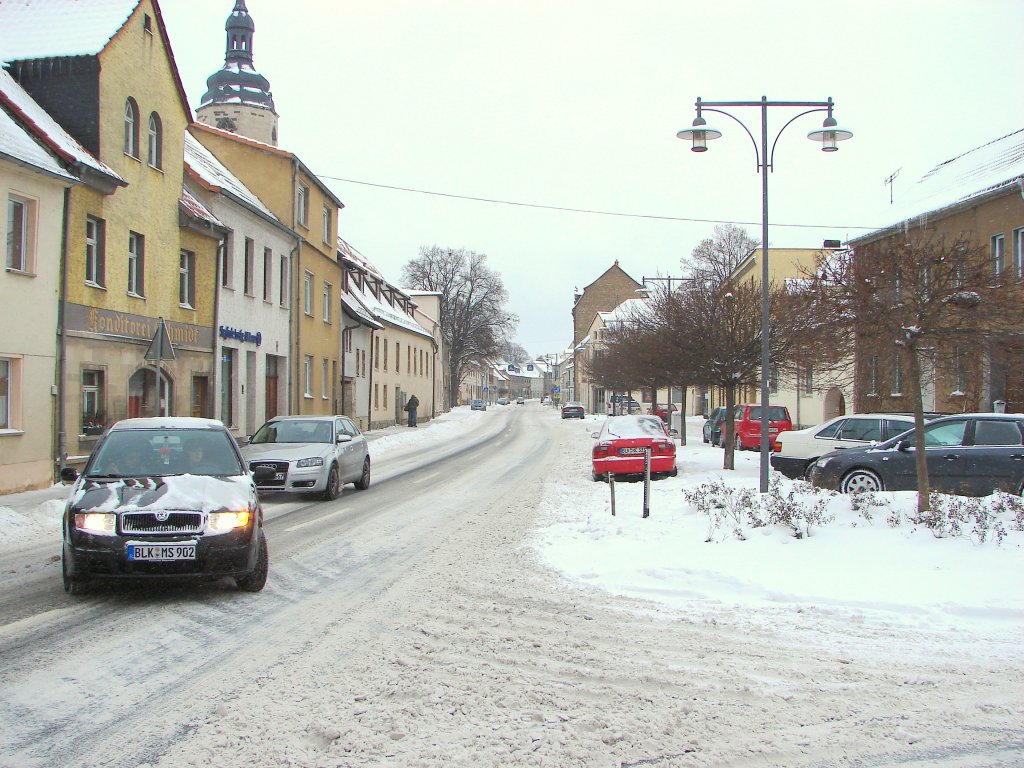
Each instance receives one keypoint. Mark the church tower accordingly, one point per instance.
(238, 98)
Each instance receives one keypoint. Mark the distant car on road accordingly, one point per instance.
(520, 400)
(501, 401)
(573, 410)
(798, 450)
(310, 454)
(967, 455)
(478, 405)
(164, 498)
(623, 443)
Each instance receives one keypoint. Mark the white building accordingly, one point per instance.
(253, 295)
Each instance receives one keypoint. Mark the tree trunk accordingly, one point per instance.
(729, 428)
(923, 485)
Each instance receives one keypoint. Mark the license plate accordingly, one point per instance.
(772, 431)
(279, 476)
(629, 451)
(180, 550)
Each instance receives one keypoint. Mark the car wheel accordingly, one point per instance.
(809, 468)
(706, 438)
(598, 477)
(861, 480)
(737, 443)
(364, 479)
(256, 579)
(72, 586)
(333, 484)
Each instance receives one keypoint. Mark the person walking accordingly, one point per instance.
(411, 407)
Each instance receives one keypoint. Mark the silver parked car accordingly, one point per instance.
(310, 454)
(478, 405)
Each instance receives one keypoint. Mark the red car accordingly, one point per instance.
(623, 441)
(662, 411)
(748, 425)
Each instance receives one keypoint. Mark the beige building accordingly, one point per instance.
(810, 398)
(34, 179)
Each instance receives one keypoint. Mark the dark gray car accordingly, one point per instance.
(967, 455)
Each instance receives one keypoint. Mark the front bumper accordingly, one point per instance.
(89, 556)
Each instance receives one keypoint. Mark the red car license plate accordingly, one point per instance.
(631, 451)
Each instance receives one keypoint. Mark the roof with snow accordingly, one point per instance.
(45, 130)
(216, 177)
(192, 205)
(42, 29)
(984, 170)
(358, 311)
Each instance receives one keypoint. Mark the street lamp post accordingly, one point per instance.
(700, 133)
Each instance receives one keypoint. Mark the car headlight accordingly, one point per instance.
(820, 463)
(96, 522)
(313, 461)
(225, 521)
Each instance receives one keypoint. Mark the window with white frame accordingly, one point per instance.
(268, 275)
(224, 261)
(998, 254)
(187, 279)
(6, 391)
(307, 293)
(250, 265)
(872, 375)
(136, 264)
(324, 381)
(95, 251)
(302, 204)
(327, 302)
(959, 376)
(897, 374)
(155, 152)
(21, 214)
(1018, 253)
(93, 397)
(286, 282)
(131, 128)
(307, 375)
(327, 224)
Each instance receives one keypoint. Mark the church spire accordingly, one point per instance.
(238, 98)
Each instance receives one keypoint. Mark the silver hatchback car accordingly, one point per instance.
(310, 454)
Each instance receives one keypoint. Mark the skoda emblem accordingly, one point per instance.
(162, 516)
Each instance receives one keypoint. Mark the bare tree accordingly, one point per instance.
(474, 320)
(922, 301)
(511, 352)
(715, 259)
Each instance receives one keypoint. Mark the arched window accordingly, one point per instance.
(156, 141)
(131, 127)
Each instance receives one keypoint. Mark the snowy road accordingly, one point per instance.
(414, 625)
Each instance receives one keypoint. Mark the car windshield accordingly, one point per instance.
(162, 452)
(294, 431)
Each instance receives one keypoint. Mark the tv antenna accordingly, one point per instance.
(889, 182)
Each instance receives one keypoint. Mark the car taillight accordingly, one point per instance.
(600, 451)
(663, 447)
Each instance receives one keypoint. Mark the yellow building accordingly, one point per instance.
(300, 200)
(134, 254)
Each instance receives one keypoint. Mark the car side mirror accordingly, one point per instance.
(903, 446)
(674, 432)
(68, 475)
(595, 435)
(344, 438)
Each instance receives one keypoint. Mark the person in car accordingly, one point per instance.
(194, 455)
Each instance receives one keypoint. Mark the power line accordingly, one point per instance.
(587, 210)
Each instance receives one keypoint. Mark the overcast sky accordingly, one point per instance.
(576, 103)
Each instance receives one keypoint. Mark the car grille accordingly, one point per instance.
(280, 467)
(171, 522)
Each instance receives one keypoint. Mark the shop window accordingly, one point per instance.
(93, 397)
